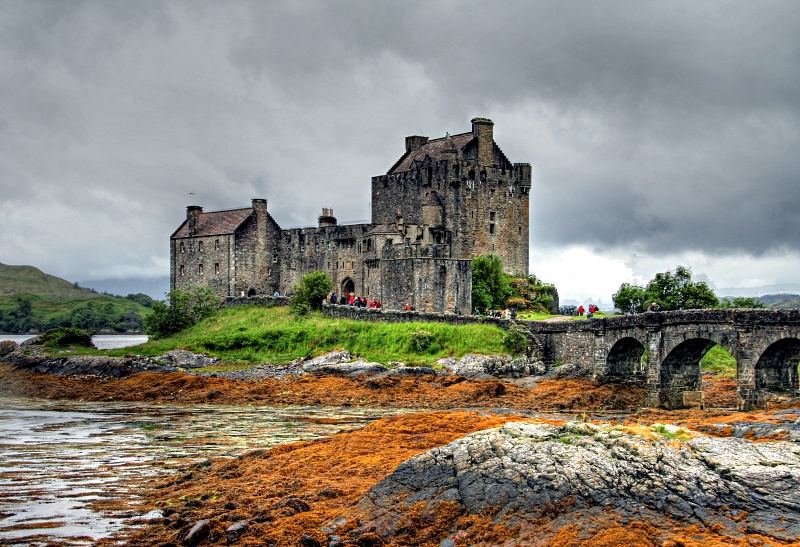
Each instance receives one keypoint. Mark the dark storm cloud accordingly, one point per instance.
(664, 127)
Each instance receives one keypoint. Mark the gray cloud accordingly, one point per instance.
(660, 127)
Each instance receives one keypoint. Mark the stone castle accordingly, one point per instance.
(443, 202)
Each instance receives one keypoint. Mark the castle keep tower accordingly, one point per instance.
(484, 197)
(443, 202)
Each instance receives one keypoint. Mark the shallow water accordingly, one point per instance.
(101, 341)
(64, 466)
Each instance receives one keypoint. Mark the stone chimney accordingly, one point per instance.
(327, 219)
(260, 209)
(193, 215)
(415, 142)
(483, 129)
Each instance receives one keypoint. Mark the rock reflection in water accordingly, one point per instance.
(68, 470)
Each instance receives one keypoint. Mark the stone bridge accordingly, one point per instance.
(765, 344)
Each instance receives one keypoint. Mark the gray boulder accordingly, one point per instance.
(186, 359)
(526, 471)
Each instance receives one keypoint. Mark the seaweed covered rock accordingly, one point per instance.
(523, 474)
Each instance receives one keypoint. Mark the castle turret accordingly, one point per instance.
(193, 215)
(432, 211)
(483, 130)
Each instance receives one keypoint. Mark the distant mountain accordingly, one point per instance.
(779, 300)
(30, 280)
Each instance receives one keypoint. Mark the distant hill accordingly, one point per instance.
(781, 301)
(772, 300)
(30, 280)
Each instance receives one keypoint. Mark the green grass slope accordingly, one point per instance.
(256, 334)
(30, 280)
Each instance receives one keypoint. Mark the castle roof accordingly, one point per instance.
(215, 223)
(383, 229)
(433, 149)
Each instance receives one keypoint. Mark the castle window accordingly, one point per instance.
(329, 245)
(269, 271)
(200, 246)
(316, 246)
(520, 230)
(216, 244)
(199, 269)
(275, 258)
(302, 247)
(491, 217)
(183, 269)
(183, 247)
(389, 241)
(491, 228)
(216, 267)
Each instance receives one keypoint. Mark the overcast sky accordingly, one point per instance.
(660, 133)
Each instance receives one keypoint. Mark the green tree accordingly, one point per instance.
(673, 289)
(489, 284)
(182, 309)
(309, 294)
(630, 298)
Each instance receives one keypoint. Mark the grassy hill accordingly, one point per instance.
(30, 280)
(31, 300)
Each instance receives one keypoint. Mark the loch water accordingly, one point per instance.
(69, 470)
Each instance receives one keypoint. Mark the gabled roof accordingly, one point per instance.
(215, 223)
(433, 149)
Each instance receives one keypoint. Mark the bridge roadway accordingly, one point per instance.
(765, 344)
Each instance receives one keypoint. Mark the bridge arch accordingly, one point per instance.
(680, 374)
(624, 359)
(776, 368)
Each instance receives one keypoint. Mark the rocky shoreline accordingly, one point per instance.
(508, 474)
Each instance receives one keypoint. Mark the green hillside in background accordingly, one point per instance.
(30, 280)
(33, 301)
(35, 313)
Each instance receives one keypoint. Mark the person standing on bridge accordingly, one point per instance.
(655, 307)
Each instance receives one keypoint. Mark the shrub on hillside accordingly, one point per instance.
(309, 294)
(515, 339)
(182, 309)
(66, 336)
(420, 340)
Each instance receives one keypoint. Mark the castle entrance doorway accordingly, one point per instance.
(348, 287)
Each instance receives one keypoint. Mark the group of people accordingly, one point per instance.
(350, 299)
(500, 314)
(592, 309)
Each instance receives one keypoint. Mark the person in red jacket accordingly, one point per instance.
(581, 310)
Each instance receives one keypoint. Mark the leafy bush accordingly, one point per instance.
(515, 339)
(489, 284)
(420, 340)
(181, 310)
(310, 293)
(66, 336)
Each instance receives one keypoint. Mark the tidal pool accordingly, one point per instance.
(69, 470)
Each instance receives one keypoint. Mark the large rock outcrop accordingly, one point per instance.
(523, 474)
